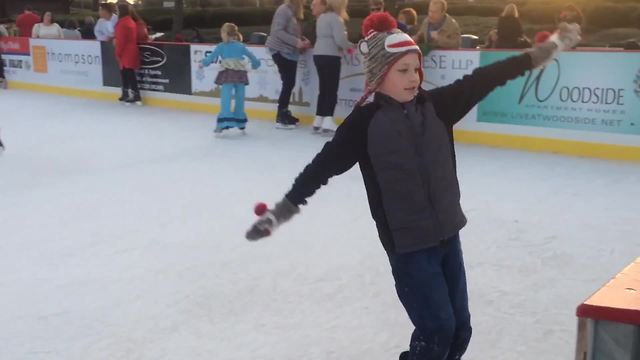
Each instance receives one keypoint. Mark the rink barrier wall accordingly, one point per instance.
(530, 113)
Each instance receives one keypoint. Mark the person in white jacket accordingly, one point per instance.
(47, 29)
(105, 27)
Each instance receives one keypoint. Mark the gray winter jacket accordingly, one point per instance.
(285, 31)
(407, 158)
(331, 35)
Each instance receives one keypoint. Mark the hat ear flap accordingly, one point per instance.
(363, 47)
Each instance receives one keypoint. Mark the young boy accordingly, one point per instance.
(403, 142)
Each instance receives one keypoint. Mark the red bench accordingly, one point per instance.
(609, 321)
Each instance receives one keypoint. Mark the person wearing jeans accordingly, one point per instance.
(285, 43)
(434, 278)
(331, 41)
(403, 144)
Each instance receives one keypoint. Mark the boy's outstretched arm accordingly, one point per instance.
(336, 157)
(453, 102)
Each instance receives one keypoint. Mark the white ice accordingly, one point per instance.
(122, 237)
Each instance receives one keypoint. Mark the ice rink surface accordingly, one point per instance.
(123, 238)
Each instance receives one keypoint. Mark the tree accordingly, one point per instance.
(178, 16)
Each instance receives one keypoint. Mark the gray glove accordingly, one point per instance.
(264, 226)
(567, 37)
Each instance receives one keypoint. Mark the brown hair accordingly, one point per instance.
(123, 10)
(134, 14)
(108, 7)
(410, 15)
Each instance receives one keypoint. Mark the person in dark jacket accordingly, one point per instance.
(510, 34)
(87, 28)
(571, 14)
(403, 143)
(408, 20)
(128, 55)
(286, 43)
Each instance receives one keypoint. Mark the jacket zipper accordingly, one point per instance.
(425, 182)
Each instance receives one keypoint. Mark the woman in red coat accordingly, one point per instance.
(128, 54)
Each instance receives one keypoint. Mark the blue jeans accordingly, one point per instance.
(432, 287)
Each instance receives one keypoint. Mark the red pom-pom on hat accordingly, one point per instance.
(378, 22)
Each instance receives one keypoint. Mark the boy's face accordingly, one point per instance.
(403, 79)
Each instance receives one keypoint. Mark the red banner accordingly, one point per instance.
(15, 45)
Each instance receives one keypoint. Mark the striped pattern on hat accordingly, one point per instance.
(381, 48)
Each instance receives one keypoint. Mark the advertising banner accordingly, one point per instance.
(264, 83)
(444, 67)
(68, 63)
(578, 91)
(16, 57)
(163, 68)
(352, 82)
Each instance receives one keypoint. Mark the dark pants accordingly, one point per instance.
(129, 80)
(328, 68)
(287, 69)
(1, 68)
(432, 287)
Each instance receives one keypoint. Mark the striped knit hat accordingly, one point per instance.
(381, 48)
